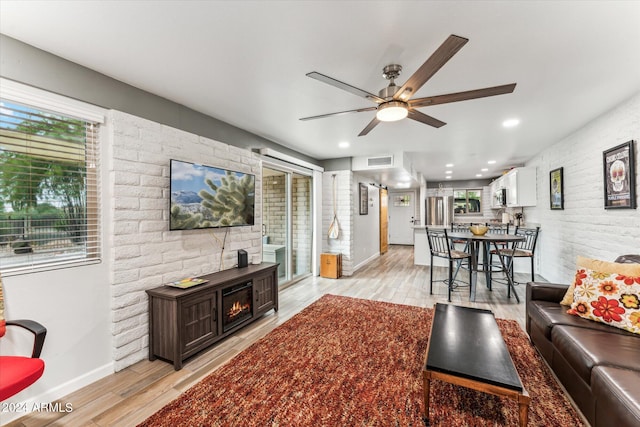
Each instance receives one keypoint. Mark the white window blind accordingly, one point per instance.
(49, 189)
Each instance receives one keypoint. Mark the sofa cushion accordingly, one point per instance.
(546, 315)
(585, 348)
(617, 393)
(580, 274)
(608, 292)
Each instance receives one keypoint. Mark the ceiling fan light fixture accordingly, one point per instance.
(392, 111)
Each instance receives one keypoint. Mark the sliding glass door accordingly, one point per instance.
(301, 225)
(287, 221)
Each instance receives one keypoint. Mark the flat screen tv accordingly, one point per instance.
(210, 197)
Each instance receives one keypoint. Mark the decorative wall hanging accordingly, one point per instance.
(364, 199)
(620, 177)
(556, 189)
(334, 227)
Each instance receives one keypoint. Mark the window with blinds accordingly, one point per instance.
(49, 200)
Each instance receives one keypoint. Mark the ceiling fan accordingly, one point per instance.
(395, 103)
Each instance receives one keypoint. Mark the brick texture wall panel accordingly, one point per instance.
(145, 253)
(344, 211)
(584, 227)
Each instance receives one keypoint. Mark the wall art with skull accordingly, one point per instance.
(619, 176)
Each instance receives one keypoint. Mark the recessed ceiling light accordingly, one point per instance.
(491, 162)
(448, 172)
(447, 177)
(511, 123)
(478, 175)
(343, 144)
(448, 165)
(484, 169)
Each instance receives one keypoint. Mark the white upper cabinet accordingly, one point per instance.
(496, 186)
(521, 187)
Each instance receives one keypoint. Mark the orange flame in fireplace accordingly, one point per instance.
(237, 308)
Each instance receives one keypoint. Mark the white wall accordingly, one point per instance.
(584, 227)
(366, 228)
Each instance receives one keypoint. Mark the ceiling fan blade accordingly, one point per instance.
(373, 123)
(321, 116)
(440, 57)
(423, 118)
(462, 96)
(344, 86)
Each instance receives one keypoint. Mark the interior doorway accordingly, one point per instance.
(287, 229)
(402, 211)
(384, 221)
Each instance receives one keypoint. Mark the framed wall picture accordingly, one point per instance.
(556, 189)
(364, 199)
(619, 166)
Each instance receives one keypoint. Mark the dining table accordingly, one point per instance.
(487, 240)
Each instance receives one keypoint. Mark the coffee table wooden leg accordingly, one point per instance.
(523, 402)
(426, 378)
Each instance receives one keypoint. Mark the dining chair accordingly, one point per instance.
(523, 249)
(495, 228)
(440, 246)
(18, 372)
(460, 227)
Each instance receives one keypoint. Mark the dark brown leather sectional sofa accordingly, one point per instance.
(599, 365)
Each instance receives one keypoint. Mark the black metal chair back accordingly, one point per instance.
(439, 243)
(460, 227)
(440, 246)
(498, 228)
(530, 239)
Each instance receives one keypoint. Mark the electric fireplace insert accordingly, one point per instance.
(236, 305)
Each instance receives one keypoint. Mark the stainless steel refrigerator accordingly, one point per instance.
(439, 211)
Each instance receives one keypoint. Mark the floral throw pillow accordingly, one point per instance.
(608, 292)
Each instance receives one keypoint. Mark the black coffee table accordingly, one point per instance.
(466, 348)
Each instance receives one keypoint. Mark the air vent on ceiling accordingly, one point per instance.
(379, 161)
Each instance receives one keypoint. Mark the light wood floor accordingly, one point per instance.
(131, 395)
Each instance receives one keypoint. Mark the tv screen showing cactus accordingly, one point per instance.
(210, 197)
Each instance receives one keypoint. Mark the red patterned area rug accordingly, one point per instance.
(352, 362)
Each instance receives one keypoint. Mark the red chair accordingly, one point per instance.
(19, 372)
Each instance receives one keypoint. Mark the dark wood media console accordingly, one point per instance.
(183, 322)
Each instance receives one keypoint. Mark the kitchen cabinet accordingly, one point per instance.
(496, 185)
(521, 187)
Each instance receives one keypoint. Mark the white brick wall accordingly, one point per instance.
(275, 209)
(145, 253)
(584, 227)
(345, 208)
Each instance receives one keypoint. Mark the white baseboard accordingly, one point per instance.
(56, 393)
(366, 261)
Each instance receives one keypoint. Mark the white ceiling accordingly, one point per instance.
(244, 62)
